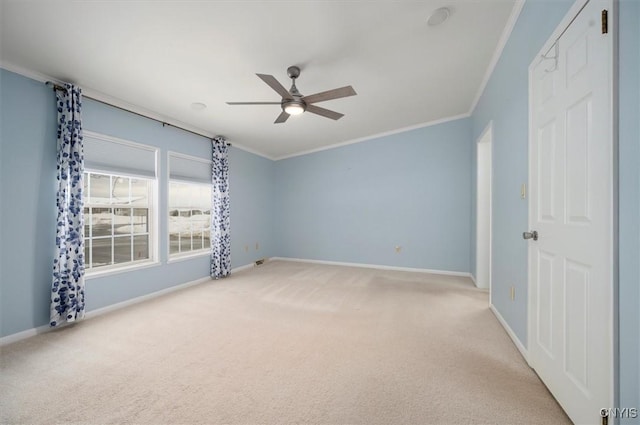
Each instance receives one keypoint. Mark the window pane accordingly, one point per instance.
(101, 251)
(199, 229)
(121, 221)
(174, 231)
(139, 192)
(204, 198)
(189, 217)
(174, 243)
(173, 195)
(87, 222)
(175, 221)
(85, 188)
(87, 258)
(140, 247)
(122, 249)
(184, 221)
(140, 220)
(101, 221)
(179, 196)
(197, 240)
(205, 222)
(100, 189)
(120, 190)
(185, 243)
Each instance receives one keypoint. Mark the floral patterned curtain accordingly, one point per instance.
(67, 289)
(220, 221)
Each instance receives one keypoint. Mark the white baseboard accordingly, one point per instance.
(374, 266)
(5, 340)
(94, 313)
(512, 335)
(245, 267)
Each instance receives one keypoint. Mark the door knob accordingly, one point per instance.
(530, 235)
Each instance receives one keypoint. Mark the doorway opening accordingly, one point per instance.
(483, 208)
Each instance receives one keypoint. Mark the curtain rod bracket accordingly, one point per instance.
(55, 86)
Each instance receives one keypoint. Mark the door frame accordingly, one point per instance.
(612, 345)
(488, 131)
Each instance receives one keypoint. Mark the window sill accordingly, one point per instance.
(188, 256)
(94, 274)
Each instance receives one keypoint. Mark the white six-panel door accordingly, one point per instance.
(570, 206)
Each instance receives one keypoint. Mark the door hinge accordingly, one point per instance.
(605, 21)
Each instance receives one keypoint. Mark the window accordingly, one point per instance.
(117, 218)
(189, 205)
(119, 203)
(189, 217)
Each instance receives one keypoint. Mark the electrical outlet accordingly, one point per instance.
(398, 249)
(257, 246)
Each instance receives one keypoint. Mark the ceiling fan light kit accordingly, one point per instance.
(293, 107)
(294, 103)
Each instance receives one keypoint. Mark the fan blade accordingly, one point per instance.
(330, 94)
(324, 112)
(274, 84)
(253, 103)
(281, 118)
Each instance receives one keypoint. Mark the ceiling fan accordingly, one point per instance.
(294, 103)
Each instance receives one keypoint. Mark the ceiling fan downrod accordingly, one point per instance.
(294, 72)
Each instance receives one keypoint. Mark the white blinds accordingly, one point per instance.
(189, 169)
(110, 155)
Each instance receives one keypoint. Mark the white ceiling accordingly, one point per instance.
(161, 56)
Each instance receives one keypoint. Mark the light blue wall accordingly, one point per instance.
(505, 102)
(629, 193)
(356, 203)
(251, 183)
(28, 181)
(28, 189)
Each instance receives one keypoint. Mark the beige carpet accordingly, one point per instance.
(283, 343)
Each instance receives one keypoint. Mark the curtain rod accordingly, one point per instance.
(59, 87)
